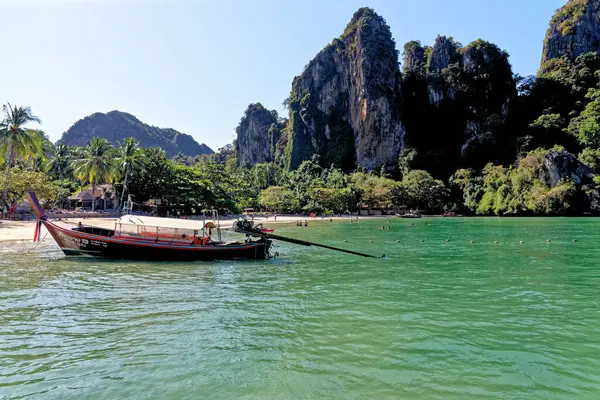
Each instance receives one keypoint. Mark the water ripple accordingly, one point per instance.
(435, 320)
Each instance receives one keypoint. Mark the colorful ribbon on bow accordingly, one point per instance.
(38, 229)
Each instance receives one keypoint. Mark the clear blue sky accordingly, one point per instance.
(196, 65)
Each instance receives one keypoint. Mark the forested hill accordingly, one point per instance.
(117, 126)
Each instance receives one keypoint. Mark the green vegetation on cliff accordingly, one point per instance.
(345, 106)
(456, 103)
(574, 30)
(459, 108)
(567, 15)
(259, 136)
(526, 188)
(116, 126)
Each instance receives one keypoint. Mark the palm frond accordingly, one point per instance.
(97, 164)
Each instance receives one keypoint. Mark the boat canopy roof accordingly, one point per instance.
(161, 222)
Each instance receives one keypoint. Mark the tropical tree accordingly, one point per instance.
(129, 156)
(277, 198)
(423, 191)
(60, 164)
(96, 166)
(22, 181)
(15, 140)
(154, 181)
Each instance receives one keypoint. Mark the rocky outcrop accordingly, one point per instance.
(458, 105)
(562, 165)
(574, 30)
(489, 88)
(257, 136)
(345, 106)
(453, 68)
(444, 52)
(415, 58)
(116, 126)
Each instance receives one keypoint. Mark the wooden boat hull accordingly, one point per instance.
(75, 243)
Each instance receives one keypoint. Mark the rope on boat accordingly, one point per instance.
(38, 243)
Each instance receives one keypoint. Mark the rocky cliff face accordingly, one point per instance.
(456, 105)
(490, 89)
(562, 165)
(352, 106)
(116, 126)
(257, 136)
(444, 52)
(345, 105)
(415, 57)
(574, 30)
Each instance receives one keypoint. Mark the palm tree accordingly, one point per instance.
(96, 166)
(15, 140)
(129, 156)
(59, 165)
(39, 163)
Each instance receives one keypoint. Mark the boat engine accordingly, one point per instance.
(246, 227)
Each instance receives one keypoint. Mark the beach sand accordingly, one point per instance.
(20, 231)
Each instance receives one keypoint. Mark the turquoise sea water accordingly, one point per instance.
(434, 320)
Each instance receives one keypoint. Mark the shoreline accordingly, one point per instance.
(22, 231)
(13, 232)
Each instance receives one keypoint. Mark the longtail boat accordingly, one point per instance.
(162, 239)
(146, 238)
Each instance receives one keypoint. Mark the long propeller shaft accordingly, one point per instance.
(305, 243)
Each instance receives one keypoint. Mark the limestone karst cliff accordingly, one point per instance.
(574, 30)
(258, 135)
(456, 101)
(560, 165)
(452, 106)
(345, 106)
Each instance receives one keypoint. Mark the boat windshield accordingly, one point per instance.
(157, 233)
